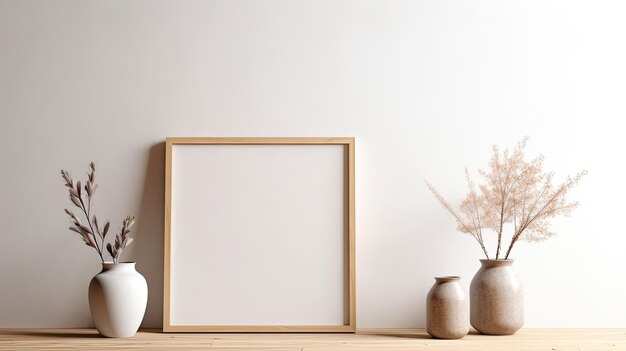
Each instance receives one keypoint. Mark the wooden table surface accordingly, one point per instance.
(364, 340)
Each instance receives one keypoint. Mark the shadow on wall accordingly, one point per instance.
(148, 245)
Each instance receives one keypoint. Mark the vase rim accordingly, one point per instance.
(499, 260)
(119, 265)
(496, 263)
(447, 278)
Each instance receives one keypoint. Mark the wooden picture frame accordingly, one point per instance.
(215, 152)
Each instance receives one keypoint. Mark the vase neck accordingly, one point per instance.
(447, 279)
(123, 266)
(496, 263)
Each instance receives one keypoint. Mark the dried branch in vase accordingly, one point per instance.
(122, 240)
(92, 234)
(516, 193)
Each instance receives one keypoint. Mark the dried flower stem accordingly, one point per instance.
(88, 233)
(515, 191)
(550, 208)
(463, 226)
(93, 232)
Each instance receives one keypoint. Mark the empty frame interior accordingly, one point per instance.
(259, 235)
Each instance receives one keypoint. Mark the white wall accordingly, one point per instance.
(425, 86)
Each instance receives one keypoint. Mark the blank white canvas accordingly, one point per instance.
(257, 235)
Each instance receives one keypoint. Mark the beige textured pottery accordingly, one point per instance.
(447, 310)
(117, 299)
(496, 299)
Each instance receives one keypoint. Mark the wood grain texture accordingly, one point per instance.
(261, 140)
(363, 340)
(167, 232)
(351, 230)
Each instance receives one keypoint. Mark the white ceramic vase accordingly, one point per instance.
(117, 299)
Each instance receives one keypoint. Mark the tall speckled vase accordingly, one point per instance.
(496, 299)
(447, 311)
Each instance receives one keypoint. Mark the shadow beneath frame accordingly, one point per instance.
(148, 245)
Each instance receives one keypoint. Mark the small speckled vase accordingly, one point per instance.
(496, 299)
(447, 311)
